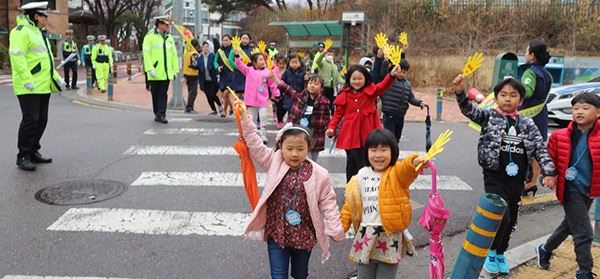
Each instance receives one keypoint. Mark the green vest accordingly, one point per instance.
(160, 55)
(31, 59)
(87, 49)
(102, 53)
(69, 46)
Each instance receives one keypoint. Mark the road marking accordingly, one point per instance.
(197, 131)
(539, 199)
(192, 150)
(156, 222)
(177, 119)
(153, 222)
(77, 102)
(234, 179)
(54, 277)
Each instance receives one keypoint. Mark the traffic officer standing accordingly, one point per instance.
(86, 56)
(34, 78)
(161, 65)
(65, 48)
(102, 62)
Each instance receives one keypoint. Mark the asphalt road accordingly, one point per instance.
(128, 241)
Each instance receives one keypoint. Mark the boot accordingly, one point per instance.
(25, 163)
(37, 158)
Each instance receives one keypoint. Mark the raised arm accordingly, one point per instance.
(240, 65)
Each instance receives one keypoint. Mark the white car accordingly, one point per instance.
(559, 106)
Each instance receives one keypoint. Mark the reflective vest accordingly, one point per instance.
(160, 55)
(102, 53)
(31, 59)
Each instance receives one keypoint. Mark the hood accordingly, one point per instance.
(211, 46)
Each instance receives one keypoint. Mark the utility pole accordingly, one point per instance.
(199, 27)
(177, 101)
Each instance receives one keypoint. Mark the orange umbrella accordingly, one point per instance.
(248, 169)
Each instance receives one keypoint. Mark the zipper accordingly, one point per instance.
(51, 61)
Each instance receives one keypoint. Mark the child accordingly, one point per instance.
(256, 95)
(576, 153)
(294, 77)
(356, 105)
(310, 109)
(507, 144)
(224, 63)
(395, 101)
(190, 73)
(297, 209)
(323, 65)
(377, 206)
(281, 64)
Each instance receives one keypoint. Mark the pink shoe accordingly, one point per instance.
(279, 125)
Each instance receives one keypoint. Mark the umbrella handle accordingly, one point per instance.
(433, 176)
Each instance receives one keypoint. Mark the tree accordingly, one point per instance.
(109, 11)
(226, 8)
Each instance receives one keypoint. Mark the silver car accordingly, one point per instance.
(559, 101)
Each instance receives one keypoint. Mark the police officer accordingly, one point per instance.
(102, 61)
(86, 56)
(65, 48)
(161, 65)
(34, 78)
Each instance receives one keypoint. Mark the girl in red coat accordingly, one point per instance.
(355, 109)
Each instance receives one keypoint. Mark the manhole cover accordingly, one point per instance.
(80, 192)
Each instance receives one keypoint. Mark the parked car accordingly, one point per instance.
(559, 100)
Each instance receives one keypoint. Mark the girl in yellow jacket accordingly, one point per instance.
(377, 206)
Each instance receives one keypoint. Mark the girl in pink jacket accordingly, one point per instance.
(258, 86)
(297, 209)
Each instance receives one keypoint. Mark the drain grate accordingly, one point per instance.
(81, 192)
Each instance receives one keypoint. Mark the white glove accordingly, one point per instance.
(152, 73)
(94, 66)
(29, 86)
(174, 76)
(78, 63)
(62, 82)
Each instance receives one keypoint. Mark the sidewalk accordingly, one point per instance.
(133, 93)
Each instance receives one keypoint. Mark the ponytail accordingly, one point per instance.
(540, 52)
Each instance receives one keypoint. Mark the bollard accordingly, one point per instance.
(597, 222)
(128, 70)
(438, 112)
(88, 80)
(114, 71)
(111, 82)
(480, 237)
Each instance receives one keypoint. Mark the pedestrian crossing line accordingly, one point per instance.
(55, 277)
(180, 120)
(235, 179)
(197, 131)
(153, 222)
(192, 150)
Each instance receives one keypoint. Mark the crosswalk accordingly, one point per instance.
(181, 222)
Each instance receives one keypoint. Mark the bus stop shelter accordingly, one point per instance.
(305, 34)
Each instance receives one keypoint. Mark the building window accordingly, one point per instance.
(51, 3)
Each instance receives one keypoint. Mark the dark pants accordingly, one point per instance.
(354, 162)
(280, 259)
(394, 124)
(510, 190)
(576, 223)
(280, 110)
(159, 88)
(69, 67)
(192, 87)
(328, 92)
(34, 108)
(210, 90)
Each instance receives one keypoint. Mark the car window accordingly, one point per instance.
(596, 79)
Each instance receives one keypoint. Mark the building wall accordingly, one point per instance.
(58, 20)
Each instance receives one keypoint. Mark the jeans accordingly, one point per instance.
(280, 259)
(394, 124)
(34, 108)
(377, 270)
(576, 223)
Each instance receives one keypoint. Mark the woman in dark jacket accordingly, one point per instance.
(207, 75)
(239, 80)
(225, 66)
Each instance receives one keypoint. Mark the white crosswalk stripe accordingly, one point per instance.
(186, 150)
(55, 277)
(197, 131)
(234, 179)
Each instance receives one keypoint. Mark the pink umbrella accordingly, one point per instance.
(434, 219)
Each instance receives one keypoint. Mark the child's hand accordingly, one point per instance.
(550, 182)
(330, 133)
(273, 77)
(418, 160)
(395, 71)
(458, 84)
(242, 106)
(236, 51)
(380, 53)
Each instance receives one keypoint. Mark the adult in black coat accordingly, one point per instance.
(207, 75)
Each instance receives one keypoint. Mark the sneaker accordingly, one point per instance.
(543, 257)
(279, 125)
(490, 264)
(191, 111)
(584, 274)
(503, 267)
(213, 113)
(220, 109)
